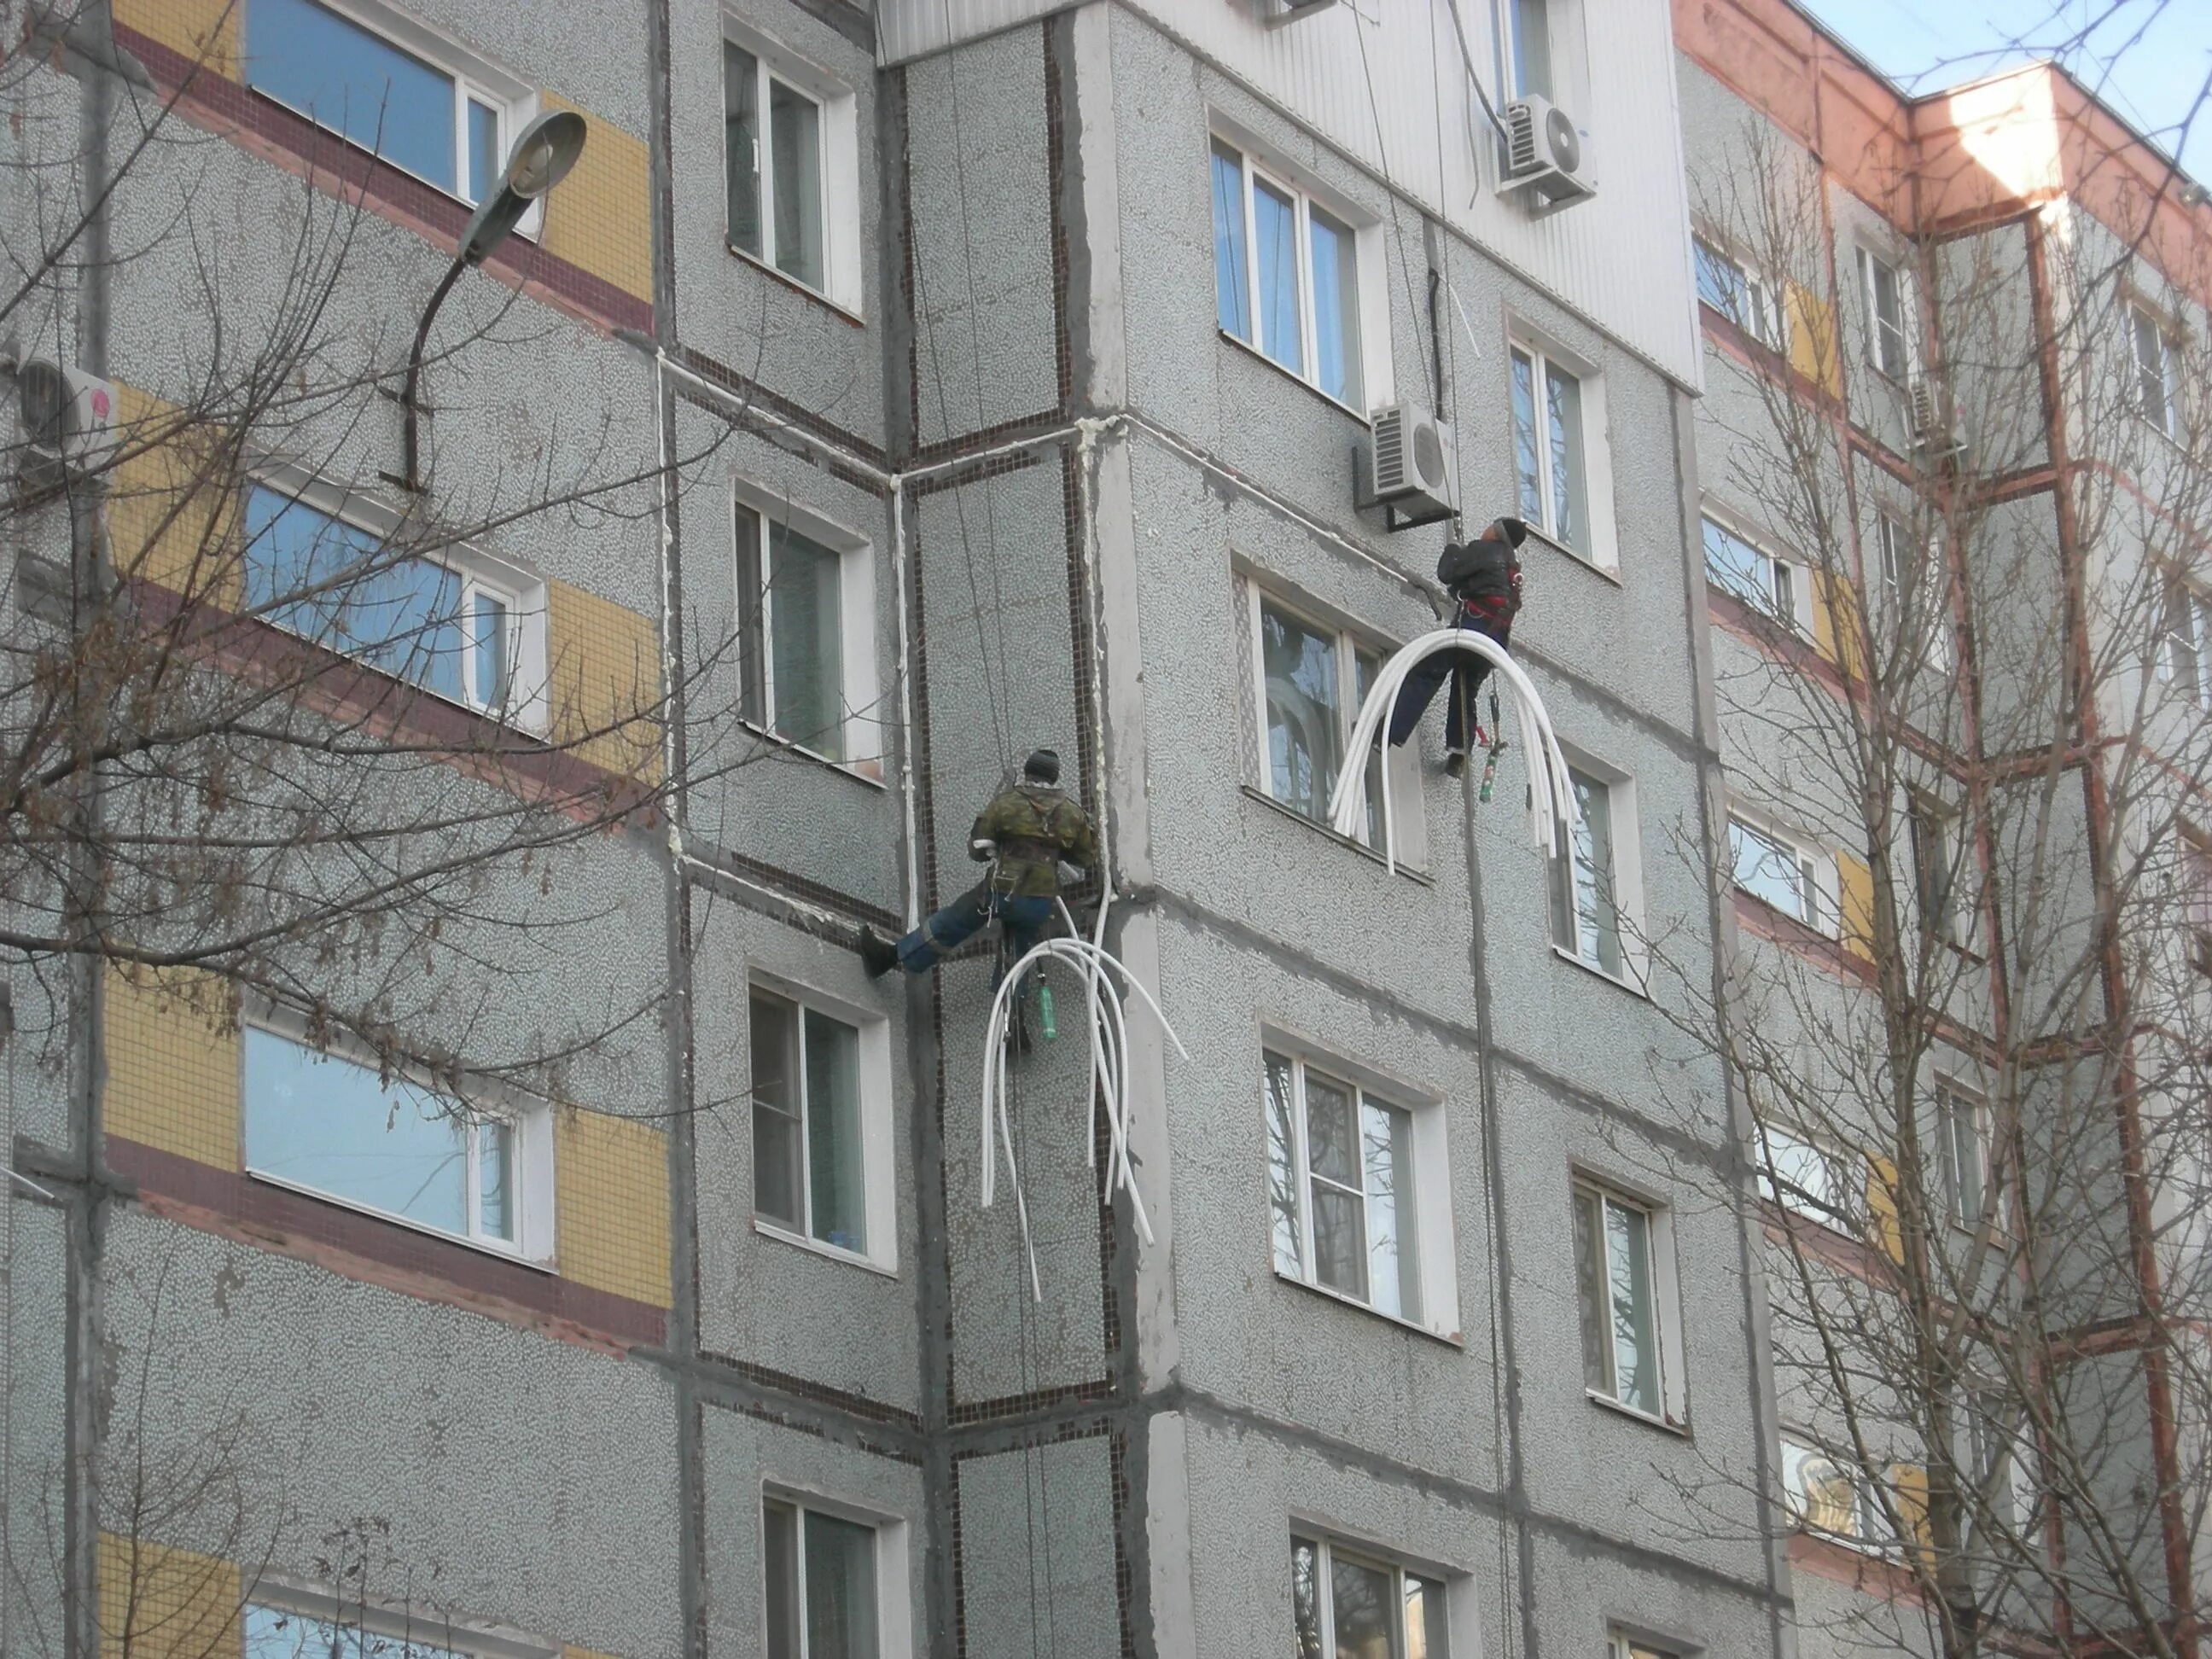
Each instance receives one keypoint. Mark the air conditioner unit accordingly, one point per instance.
(1276, 13)
(69, 423)
(1936, 432)
(1544, 156)
(1410, 469)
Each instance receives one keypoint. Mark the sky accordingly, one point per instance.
(2148, 60)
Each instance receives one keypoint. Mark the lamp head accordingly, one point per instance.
(541, 158)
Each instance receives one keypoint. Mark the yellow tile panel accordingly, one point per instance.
(604, 671)
(600, 217)
(1854, 905)
(172, 505)
(1882, 1227)
(611, 1204)
(172, 1045)
(205, 31)
(1836, 621)
(162, 1603)
(1812, 325)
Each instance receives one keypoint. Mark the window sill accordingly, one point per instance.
(1621, 1408)
(1619, 981)
(1589, 562)
(834, 1252)
(1449, 1339)
(1292, 374)
(1410, 871)
(837, 308)
(853, 768)
(498, 1252)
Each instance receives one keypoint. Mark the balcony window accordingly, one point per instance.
(1732, 289)
(1737, 565)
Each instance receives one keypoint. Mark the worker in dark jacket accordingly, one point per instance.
(1025, 833)
(1482, 577)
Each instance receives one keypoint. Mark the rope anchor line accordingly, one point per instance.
(1109, 1071)
(1551, 804)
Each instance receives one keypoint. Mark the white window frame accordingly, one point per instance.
(1377, 376)
(1602, 550)
(1816, 870)
(1893, 540)
(2195, 608)
(1841, 1173)
(392, 1621)
(1950, 1098)
(863, 723)
(1907, 329)
(879, 1175)
(513, 101)
(2140, 320)
(894, 1582)
(1401, 773)
(842, 276)
(1329, 1544)
(1627, 878)
(1868, 1524)
(529, 1122)
(1780, 570)
(1664, 1287)
(1956, 926)
(528, 706)
(1429, 1181)
(1767, 323)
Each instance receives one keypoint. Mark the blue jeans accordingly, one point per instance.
(1025, 920)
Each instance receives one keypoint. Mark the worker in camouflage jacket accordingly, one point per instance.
(1025, 834)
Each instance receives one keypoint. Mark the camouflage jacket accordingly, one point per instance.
(1034, 827)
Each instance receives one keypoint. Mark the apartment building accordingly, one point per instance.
(883, 394)
(1951, 467)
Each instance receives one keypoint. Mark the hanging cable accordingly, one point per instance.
(1466, 57)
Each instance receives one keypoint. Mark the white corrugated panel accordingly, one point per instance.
(1405, 106)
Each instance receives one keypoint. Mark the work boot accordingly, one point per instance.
(1455, 762)
(877, 954)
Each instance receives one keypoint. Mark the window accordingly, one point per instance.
(790, 167)
(1529, 27)
(2184, 642)
(1890, 346)
(1309, 680)
(1746, 299)
(2150, 381)
(1344, 1175)
(1912, 588)
(1548, 448)
(806, 654)
(1286, 275)
(1962, 1159)
(454, 632)
(1585, 887)
(1355, 1608)
(1936, 847)
(339, 1130)
(381, 87)
(1735, 565)
(811, 1134)
(2196, 880)
(1618, 1296)
(1625, 1646)
(1823, 1496)
(1807, 1179)
(273, 1632)
(823, 1601)
(1796, 880)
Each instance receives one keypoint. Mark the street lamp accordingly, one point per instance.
(541, 157)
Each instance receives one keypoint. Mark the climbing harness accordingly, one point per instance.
(1551, 794)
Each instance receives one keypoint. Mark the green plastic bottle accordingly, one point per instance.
(1044, 1010)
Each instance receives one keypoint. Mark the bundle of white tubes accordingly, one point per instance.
(1109, 1071)
(1550, 793)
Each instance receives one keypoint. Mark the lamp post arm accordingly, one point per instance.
(410, 405)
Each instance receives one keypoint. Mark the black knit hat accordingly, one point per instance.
(1044, 765)
(1515, 531)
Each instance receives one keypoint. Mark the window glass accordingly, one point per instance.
(279, 1633)
(1366, 1610)
(1564, 404)
(777, 1153)
(1934, 870)
(1282, 1167)
(780, 1554)
(491, 666)
(1547, 447)
(1342, 1159)
(2152, 395)
(1804, 1178)
(809, 1152)
(1527, 473)
(1531, 49)
(795, 147)
(1275, 242)
(487, 166)
(1427, 1632)
(1769, 868)
(1336, 309)
(1305, 722)
(1232, 279)
(805, 627)
(833, 1131)
(741, 146)
(337, 1129)
(2183, 640)
(1386, 1147)
(1761, 581)
(1728, 289)
(1585, 921)
(1346, 1607)
(1306, 1597)
(1612, 1259)
(1340, 1202)
(821, 1580)
(1962, 1156)
(356, 83)
(1888, 342)
(1822, 1495)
